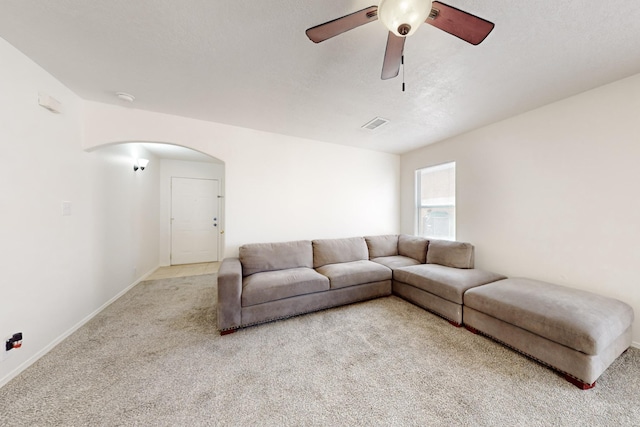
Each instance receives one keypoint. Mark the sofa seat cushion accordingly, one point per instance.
(577, 319)
(396, 261)
(354, 273)
(274, 285)
(445, 282)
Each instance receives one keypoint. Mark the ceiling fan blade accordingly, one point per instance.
(325, 31)
(463, 25)
(392, 56)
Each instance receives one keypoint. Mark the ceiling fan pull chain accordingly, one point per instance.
(402, 63)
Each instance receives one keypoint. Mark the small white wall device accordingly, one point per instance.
(49, 102)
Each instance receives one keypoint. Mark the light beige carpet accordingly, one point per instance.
(154, 358)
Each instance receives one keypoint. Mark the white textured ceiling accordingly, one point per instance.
(249, 63)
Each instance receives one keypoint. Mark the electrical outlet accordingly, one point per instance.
(9, 345)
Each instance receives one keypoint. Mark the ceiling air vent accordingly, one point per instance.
(375, 123)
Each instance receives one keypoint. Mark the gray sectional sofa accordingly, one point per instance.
(577, 333)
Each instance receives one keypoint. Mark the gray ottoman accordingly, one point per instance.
(576, 332)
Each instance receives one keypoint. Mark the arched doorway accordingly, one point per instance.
(179, 239)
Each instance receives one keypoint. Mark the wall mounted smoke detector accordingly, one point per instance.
(125, 96)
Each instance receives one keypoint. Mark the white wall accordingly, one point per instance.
(184, 169)
(126, 212)
(551, 194)
(278, 188)
(59, 270)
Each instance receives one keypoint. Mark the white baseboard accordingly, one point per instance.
(635, 345)
(11, 375)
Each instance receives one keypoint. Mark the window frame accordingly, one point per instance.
(419, 206)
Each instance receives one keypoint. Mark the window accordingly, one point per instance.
(436, 201)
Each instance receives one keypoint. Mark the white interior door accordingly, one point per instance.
(194, 220)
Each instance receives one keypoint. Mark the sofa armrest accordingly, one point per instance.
(229, 294)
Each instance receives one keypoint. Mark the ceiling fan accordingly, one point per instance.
(403, 18)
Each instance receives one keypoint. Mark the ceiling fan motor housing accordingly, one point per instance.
(403, 17)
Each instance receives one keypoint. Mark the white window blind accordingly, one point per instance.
(436, 201)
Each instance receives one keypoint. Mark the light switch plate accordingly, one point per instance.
(66, 208)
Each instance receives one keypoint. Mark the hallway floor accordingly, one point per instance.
(184, 270)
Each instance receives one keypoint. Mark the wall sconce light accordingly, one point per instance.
(140, 164)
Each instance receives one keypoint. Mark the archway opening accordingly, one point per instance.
(156, 204)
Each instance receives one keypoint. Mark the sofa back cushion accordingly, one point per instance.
(380, 246)
(450, 254)
(258, 257)
(334, 251)
(413, 247)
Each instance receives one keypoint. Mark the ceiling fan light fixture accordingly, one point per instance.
(403, 17)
